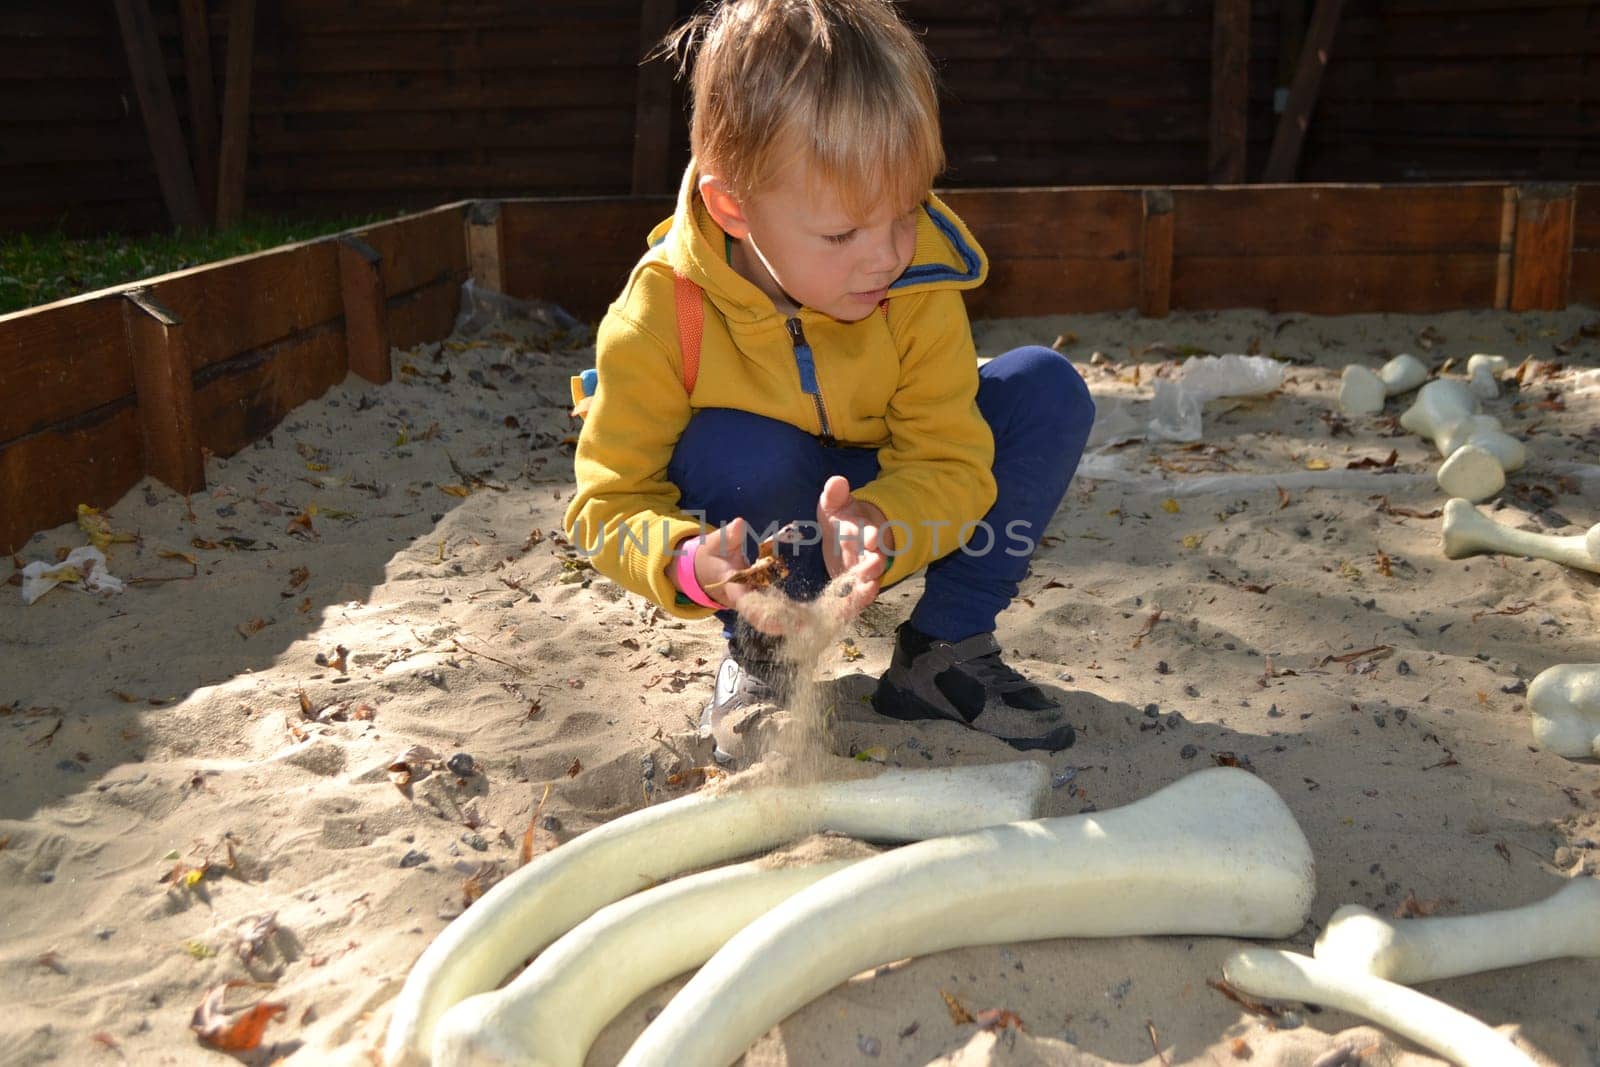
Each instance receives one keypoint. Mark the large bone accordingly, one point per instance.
(1453, 1034)
(1471, 473)
(543, 900)
(553, 1011)
(1564, 707)
(1402, 374)
(1439, 406)
(1215, 853)
(1469, 532)
(1422, 950)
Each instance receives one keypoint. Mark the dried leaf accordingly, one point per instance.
(455, 490)
(300, 525)
(1170, 506)
(1249, 1004)
(1149, 625)
(254, 626)
(239, 1031)
(1193, 541)
(1283, 498)
(297, 577)
(532, 843)
(1393, 509)
(335, 661)
(998, 1019)
(98, 529)
(1316, 463)
(577, 765)
(849, 650)
(1412, 908)
(1369, 463)
(958, 1014)
(404, 767)
(1384, 564)
(251, 938)
(1375, 652)
(1513, 609)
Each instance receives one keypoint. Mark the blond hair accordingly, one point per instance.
(843, 83)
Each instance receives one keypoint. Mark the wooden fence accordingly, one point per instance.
(373, 105)
(108, 387)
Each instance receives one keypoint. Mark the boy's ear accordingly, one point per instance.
(724, 207)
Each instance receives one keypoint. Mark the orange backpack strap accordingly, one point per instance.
(691, 323)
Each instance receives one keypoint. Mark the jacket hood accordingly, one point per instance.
(691, 243)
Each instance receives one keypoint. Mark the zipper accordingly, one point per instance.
(807, 365)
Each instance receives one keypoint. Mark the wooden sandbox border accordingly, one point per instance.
(102, 389)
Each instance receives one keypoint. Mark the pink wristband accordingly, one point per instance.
(683, 571)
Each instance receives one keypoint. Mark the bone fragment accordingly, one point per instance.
(1440, 404)
(552, 1012)
(1361, 392)
(1215, 853)
(547, 897)
(1403, 373)
(1484, 431)
(1409, 951)
(1564, 708)
(1468, 532)
(1453, 1034)
(1472, 473)
(1482, 370)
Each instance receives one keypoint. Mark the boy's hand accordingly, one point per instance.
(719, 556)
(853, 531)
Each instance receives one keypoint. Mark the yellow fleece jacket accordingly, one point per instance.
(904, 383)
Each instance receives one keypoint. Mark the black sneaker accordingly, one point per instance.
(750, 675)
(932, 679)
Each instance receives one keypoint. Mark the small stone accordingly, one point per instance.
(1303, 532)
(47, 877)
(1400, 714)
(1151, 711)
(1190, 690)
(1379, 720)
(475, 841)
(413, 858)
(869, 1046)
(1518, 686)
(552, 824)
(104, 932)
(1188, 752)
(462, 765)
(71, 766)
(1402, 667)
(664, 649)
(1274, 713)
(1174, 720)
(1063, 777)
(1162, 668)
(448, 911)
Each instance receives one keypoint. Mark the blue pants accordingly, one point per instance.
(731, 464)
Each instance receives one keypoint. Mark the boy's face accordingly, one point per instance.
(800, 246)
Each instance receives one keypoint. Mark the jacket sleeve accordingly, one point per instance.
(625, 516)
(936, 474)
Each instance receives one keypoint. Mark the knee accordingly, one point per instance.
(733, 464)
(1041, 380)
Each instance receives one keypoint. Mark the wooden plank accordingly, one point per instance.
(653, 102)
(1541, 261)
(575, 252)
(1508, 244)
(201, 93)
(1296, 118)
(248, 303)
(238, 68)
(1155, 259)
(1585, 288)
(365, 94)
(1337, 219)
(165, 393)
(1230, 91)
(61, 361)
(557, 42)
(1586, 217)
(424, 314)
(420, 249)
(485, 230)
(147, 68)
(1054, 223)
(1335, 284)
(92, 460)
(241, 400)
(1055, 286)
(366, 321)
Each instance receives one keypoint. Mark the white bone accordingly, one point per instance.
(1215, 853)
(1453, 1034)
(1360, 391)
(1440, 404)
(1403, 373)
(1469, 532)
(544, 899)
(1409, 951)
(553, 1011)
(1482, 370)
(1564, 706)
(1485, 432)
(1471, 473)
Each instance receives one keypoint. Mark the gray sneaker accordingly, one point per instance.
(738, 689)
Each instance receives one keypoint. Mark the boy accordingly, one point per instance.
(821, 367)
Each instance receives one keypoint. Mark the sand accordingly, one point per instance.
(179, 765)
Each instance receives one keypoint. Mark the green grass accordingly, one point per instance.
(40, 268)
